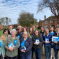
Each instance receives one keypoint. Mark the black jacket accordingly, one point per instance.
(39, 46)
(18, 34)
(28, 45)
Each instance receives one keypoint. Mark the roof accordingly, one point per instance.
(51, 18)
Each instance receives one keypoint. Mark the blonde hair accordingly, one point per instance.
(45, 31)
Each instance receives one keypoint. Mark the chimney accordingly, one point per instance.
(45, 17)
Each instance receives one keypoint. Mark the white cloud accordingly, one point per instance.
(13, 8)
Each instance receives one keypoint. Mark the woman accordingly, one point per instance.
(47, 42)
(2, 50)
(31, 32)
(25, 46)
(5, 35)
(25, 29)
(56, 43)
(37, 44)
(12, 44)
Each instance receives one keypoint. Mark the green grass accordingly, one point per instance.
(38, 29)
(1, 32)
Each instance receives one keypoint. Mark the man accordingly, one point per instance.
(20, 29)
(42, 33)
(10, 28)
(19, 33)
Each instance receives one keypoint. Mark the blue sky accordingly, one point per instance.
(12, 9)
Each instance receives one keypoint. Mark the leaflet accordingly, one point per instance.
(47, 40)
(54, 39)
(37, 41)
(10, 45)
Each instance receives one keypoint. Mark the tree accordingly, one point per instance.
(5, 21)
(52, 4)
(26, 19)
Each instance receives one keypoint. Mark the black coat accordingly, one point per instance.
(39, 46)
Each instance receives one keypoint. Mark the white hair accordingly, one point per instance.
(24, 32)
(13, 30)
(19, 26)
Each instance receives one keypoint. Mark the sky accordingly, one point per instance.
(13, 8)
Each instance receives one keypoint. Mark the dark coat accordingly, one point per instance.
(28, 45)
(56, 46)
(39, 46)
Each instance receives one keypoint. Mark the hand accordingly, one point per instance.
(45, 42)
(56, 42)
(35, 44)
(11, 48)
(22, 50)
(3, 55)
(48, 42)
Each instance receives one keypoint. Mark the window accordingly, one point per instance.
(46, 27)
(51, 21)
(46, 22)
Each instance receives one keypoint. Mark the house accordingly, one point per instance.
(1, 26)
(48, 22)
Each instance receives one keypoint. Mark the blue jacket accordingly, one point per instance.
(28, 45)
(49, 37)
(56, 46)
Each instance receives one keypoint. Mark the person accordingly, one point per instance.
(25, 46)
(42, 32)
(2, 50)
(24, 30)
(56, 43)
(33, 29)
(20, 29)
(47, 38)
(31, 32)
(19, 35)
(37, 44)
(10, 28)
(52, 32)
(4, 37)
(12, 44)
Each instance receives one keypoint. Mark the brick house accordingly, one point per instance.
(1, 26)
(50, 21)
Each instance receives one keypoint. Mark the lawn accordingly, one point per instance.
(1, 32)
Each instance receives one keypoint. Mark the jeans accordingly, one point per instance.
(56, 53)
(24, 56)
(48, 51)
(11, 57)
(38, 53)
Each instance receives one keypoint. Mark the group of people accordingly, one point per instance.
(21, 43)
